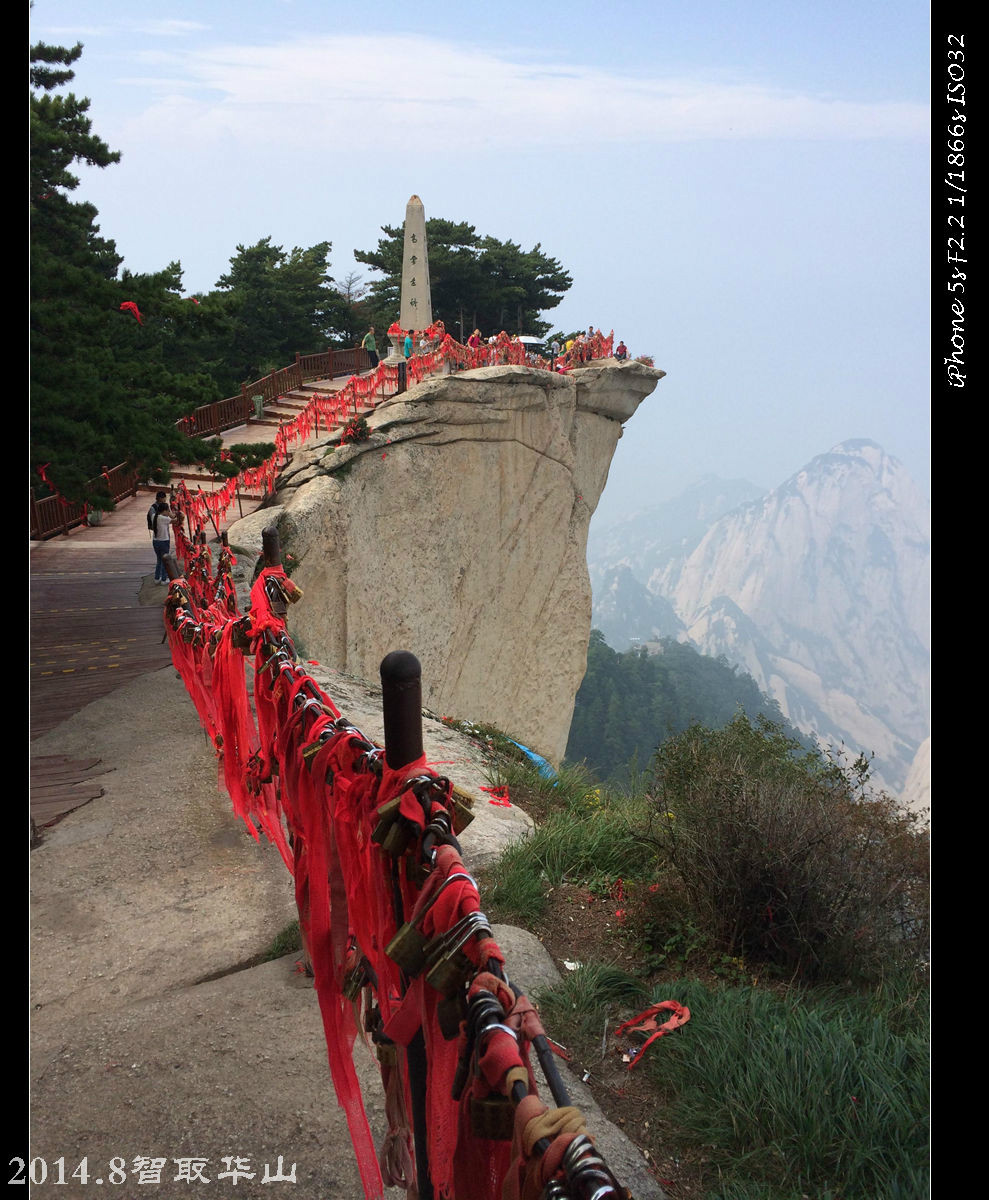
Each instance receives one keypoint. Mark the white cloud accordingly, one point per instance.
(172, 27)
(419, 92)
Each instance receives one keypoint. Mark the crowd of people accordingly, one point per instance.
(581, 348)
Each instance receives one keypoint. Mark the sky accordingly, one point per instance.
(740, 191)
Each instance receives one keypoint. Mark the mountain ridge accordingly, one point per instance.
(819, 589)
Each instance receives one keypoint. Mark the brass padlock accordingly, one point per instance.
(309, 752)
(400, 835)
(454, 937)
(355, 980)
(451, 969)
(492, 1117)
(386, 818)
(291, 591)
(462, 814)
(408, 947)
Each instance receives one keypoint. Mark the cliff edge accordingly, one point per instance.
(459, 532)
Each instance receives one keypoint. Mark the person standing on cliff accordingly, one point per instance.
(407, 345)
(371, 347)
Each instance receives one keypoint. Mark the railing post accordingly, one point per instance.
(402, 378)
(271, 546)
(401, 708)
(330, 355)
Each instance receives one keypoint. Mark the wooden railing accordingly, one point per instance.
(53, 514)
(212, 419)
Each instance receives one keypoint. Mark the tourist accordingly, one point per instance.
(161, 532)
(160, 498)
(621, 352)
(371, 347)
(407, 347)
(474, 341)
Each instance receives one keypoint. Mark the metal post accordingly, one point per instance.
(402, 377)
(271, 546)
(401, 707)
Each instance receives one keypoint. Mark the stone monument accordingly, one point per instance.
(416, 306)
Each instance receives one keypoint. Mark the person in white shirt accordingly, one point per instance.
(161, 533)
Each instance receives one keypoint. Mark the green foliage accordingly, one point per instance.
(786, 858)
(235, 458)
(628, 703)
(811, 1094)
(581, 999)
(356, 430)
(104, 388)
(275, 304)
(590, 835)
(288, 941)
(475, 281)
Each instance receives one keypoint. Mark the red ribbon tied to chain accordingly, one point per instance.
(646, 1022)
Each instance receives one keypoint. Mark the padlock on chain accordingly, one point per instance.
(492, 1117)
(448, 968)
(408, 946)
(355, 980)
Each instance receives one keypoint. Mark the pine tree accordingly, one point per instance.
(102, 389)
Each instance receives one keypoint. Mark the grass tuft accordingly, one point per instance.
(812, 1093)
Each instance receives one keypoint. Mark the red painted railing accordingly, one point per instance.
(55, 514)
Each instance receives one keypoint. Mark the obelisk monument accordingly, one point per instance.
(416, 311)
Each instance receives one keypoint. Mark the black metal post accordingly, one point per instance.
(402, 377)
(401, 707)
(271, 546)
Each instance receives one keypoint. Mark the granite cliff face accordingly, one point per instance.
(459, 532)
(819, 589)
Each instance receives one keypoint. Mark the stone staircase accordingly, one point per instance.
(261, 429)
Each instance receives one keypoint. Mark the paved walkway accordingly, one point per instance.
(95, 611)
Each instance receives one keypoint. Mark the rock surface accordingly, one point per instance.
(459, 532)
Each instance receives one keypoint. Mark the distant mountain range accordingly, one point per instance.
(819, 589)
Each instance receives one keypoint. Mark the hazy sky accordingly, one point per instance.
(741, 191)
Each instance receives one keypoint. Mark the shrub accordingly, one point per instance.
(356, 430)
(787, 858)
(230, 461)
